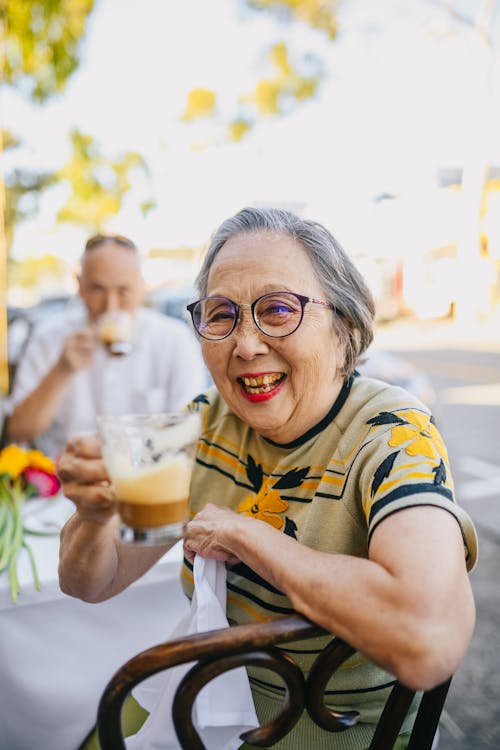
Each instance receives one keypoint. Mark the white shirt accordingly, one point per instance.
(163, 373)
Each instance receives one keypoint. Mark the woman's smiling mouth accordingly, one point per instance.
(261, 386)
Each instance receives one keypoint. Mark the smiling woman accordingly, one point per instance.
(325, 492)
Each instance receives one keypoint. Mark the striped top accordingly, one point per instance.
(376, 452)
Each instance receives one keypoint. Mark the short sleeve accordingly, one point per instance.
(406, 465)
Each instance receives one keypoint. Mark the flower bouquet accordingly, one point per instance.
(23, 474)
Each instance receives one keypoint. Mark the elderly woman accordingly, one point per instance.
(326, 493)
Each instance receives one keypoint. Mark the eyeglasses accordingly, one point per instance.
(276, 314)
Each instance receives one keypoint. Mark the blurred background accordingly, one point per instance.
(157, 119)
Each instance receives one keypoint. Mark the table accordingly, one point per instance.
(57, 653)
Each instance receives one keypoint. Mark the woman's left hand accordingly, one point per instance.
(212, 533)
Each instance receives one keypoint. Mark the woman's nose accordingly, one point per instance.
(248, 340)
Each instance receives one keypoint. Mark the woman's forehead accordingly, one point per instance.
(249, 265)
(254, 252)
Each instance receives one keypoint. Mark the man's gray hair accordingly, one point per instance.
(341, 281)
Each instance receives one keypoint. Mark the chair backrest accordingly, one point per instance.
(218, 651)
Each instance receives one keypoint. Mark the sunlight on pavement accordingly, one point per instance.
(486, 394)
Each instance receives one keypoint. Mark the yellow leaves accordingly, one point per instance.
(200, 103)
(98, 184)
(274, 94)
(237, 129)
(29, 271)
(279, 57)
(266, 96)
(41, 43)
(287, 85)
(306, 88)
(319, 14)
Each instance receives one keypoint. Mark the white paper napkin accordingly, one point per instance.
(224, 708)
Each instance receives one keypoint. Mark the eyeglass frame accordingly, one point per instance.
(238, 307)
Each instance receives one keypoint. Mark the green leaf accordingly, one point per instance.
(34, 570)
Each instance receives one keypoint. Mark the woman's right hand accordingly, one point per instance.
(84, 478)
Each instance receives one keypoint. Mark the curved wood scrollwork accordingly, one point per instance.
(323, 668)
(204, 672)
(219, 651)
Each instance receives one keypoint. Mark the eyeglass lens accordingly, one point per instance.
(276, 314)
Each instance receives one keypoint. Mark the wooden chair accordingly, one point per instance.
(218, 651)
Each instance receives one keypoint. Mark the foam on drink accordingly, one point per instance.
(155, 495)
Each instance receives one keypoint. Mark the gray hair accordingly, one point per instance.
(341, 281)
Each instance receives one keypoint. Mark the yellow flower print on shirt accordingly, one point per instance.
(265, 505)
(421, 435)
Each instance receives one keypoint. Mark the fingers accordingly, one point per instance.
(78, 350)
(85, 445)
(84, 478)
(71, 468)
(82, 460)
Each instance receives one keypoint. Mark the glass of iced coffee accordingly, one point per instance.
(149, 459)
(114, 329)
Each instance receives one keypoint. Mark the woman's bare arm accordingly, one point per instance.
(408, 608)
(94, 564)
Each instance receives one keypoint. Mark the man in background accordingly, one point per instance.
(66, 376)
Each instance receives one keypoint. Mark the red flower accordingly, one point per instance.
(46, 484)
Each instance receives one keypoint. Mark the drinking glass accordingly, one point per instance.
(114, 329)
(149, 458)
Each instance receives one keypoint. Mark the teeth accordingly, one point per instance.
(262, 380)
(262, 383)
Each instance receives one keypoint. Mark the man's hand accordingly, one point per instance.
(84, 479)
(78, 351)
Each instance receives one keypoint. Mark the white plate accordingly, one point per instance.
(46, 516)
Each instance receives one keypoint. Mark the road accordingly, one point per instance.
(467, 382)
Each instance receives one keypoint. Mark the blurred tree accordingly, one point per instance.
(39, 52)
(22, 191)
(320, 14)
(97, 184)
(288, 83)
(28, 272)
(42, 43)
(200, 103)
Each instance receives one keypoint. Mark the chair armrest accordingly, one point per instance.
(221, 650)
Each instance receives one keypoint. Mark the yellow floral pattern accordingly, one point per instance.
(421, 435)
(265, 506)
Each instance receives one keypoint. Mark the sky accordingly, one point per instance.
(408, 90)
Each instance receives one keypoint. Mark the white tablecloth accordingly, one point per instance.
(58, 653)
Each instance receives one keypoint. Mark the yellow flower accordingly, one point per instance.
(422, 436)
(265, 505)
(13, 461)
(38, 460)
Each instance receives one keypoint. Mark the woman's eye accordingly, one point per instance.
(220, 316)
(278, 309)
